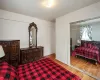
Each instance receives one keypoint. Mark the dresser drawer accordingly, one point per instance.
(30, 54)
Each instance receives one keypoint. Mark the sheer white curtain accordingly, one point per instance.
(86, 32)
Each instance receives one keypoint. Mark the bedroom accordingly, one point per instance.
(16, 27)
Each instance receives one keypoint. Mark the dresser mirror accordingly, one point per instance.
(32, 35)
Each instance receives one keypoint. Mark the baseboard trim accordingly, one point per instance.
(52, 55)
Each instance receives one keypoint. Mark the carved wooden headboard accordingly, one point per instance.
(12, 51)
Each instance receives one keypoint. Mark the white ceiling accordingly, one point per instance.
(35, 8)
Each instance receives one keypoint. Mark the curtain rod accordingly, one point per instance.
(14, 20)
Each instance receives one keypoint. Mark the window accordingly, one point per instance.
(86, 32)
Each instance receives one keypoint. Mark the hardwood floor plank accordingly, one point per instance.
(89, 67)
(78, 73)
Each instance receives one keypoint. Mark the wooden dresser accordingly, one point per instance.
(12, 51)
(30, 54)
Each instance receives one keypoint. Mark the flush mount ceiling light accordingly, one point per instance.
(48, 3)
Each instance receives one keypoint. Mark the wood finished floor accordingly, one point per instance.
(78, 73)
(93, 69)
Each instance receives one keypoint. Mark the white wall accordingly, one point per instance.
(74, 34)
(53, 41)
(15, 26)
(63, 29)
(96, 31)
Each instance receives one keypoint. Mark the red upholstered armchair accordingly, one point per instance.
(88, 49)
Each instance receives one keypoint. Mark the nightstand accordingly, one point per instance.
(77, 46)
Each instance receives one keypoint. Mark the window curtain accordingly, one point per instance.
(86, 32)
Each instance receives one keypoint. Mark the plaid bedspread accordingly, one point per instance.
(87, 52)
(7, 72)
(44, 69)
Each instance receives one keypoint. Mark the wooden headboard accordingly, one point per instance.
(12, 51)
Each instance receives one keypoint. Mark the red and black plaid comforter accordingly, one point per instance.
(44, 69)
(87, 52)
(7, 72)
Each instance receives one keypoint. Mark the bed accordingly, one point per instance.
(88, 49)
(8, 72)
(43, 69)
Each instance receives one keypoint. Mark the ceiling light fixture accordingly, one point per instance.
(48, 3)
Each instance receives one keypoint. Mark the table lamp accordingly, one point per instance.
(2, 53)
(78, 42)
